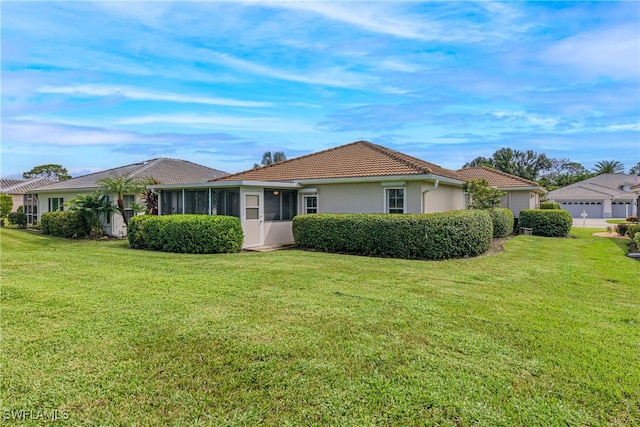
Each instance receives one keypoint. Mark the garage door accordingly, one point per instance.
(594, 209)
(620, 209)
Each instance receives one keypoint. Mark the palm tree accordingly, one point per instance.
(608, 166)
(93, 208)
(635, 170)
(121, 185)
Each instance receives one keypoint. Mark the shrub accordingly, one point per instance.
(194, 234)
(550, 205)
(18, 218)
(637, 239)
(632, 219)
(64, 224)
(502, 219)
(621, 229)
(632, 230)
(432, 236)
(546, 222)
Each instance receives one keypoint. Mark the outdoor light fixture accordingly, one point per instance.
(275, 193)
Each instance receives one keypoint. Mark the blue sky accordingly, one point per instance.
(95, 85)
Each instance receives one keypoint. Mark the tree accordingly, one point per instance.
(525, 164)
(608, 166)
(6, 204)
(269, 158)
(94, 208)
(563, 172)
(635, 170)
(48, 171)
(482, 195)
(120, 185)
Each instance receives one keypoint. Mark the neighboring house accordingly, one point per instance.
(17, 189)
(521, 193)
(603, 196)
(360, 177)
(170, 171)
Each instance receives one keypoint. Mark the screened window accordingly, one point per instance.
(225, 201)
(280, 205)
(171, 202)
(395, 200)
(56, 204)
(310, 204)
(196, 201)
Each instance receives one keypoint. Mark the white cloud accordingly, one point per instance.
(613, 53)
(138, 94)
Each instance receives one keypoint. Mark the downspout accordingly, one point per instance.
(424, 192)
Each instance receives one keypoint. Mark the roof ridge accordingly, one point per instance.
(146, 165)
(408, 160)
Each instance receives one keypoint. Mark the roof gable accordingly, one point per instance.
(356, 160)
(166, 171)
(607, 185)
(496, 178)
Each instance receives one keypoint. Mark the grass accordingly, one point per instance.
(545, 333)
(619, 221)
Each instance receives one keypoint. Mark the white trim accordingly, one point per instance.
(304, 202)
(385, 193)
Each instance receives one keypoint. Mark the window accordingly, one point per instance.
(196, 201)
(56, 204)
(129, 203)
(395, 200)
(225, 201)
(280, 205)
(310, 204)
(171, 202)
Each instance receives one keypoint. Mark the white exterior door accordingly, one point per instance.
(253, 218)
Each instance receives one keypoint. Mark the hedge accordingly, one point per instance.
(18, 218)
(549, 223)
(632, 230)
(550, 205)
(435, 236)
(502, 219)
(194, 234)
(64, 224)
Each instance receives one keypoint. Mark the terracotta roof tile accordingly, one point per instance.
(355, 160)
(495, 178)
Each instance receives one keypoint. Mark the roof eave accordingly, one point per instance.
(351, 180)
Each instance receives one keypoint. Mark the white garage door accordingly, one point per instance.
(620, 209)
(594, 209)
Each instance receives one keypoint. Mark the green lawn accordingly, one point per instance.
(545, 333)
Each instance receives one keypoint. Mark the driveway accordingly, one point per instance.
(593, 223)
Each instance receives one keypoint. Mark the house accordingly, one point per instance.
(53, 197)
(17, 188)
(521, 193)
(603, 196)
(360, 177)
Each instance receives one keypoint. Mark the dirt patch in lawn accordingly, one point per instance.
(612, 234)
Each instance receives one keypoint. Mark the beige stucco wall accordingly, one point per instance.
(442, 199)
(520, 200)
(277, 232)
(18, 200)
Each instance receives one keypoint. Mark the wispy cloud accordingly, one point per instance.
(140, 94)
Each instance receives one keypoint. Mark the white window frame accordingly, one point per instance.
(60, 204)
(304, 203)
(387, 208)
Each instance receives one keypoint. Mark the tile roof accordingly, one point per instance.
(495, 178)
(356, 160)
(21, 186)
(607, 185)
(166, 171)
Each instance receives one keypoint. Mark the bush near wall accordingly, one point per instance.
(18, 218)
(64, 224)
(550, 205)
(503, 221)
(194, 234)
(549, 222)
(435, 236)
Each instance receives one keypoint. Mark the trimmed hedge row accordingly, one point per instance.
(64, 224)
(550, 205)
(549, 222)
(435, 236)
(193, 234)
(502, 219)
